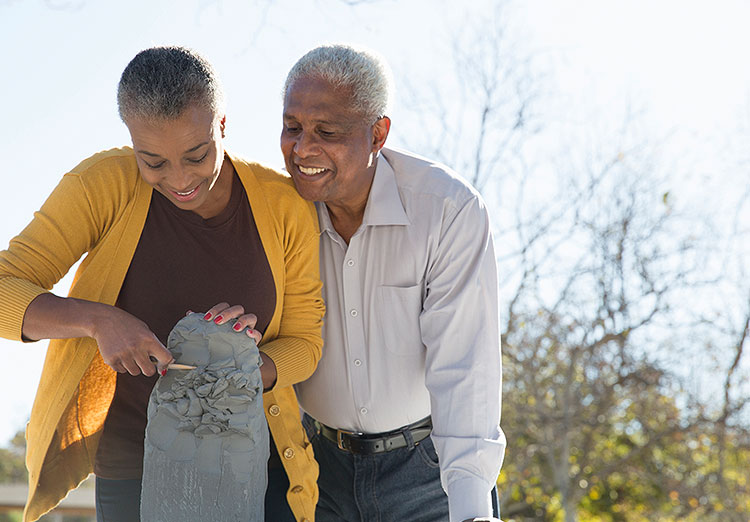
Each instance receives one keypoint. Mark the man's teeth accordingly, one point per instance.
(186, 193)
(310, 171)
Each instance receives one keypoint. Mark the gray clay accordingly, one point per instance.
(206, 446)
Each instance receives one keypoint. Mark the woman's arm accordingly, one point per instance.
(297, 348)
(73, 220)
(125, 342)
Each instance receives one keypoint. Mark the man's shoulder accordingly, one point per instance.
(424, 176)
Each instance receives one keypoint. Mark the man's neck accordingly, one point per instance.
(346, 219)
(347, 214)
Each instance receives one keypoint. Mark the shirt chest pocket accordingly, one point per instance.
(398, 311)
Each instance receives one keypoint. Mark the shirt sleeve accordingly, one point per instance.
(297, 349)
(460, 329)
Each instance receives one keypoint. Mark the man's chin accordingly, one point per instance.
(308, 190)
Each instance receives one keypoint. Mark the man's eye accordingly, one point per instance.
(327, 134)
(292, 128)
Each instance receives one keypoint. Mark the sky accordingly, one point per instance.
(685, 61)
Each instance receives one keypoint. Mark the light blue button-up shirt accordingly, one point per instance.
(411, 326)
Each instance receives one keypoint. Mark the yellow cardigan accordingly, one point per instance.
(100, 208)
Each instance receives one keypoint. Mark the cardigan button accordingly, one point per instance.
(288, 453)
(274, 410)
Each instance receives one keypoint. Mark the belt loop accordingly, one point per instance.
(409, 439)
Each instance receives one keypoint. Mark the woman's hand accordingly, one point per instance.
(245, 324)
(125, 342)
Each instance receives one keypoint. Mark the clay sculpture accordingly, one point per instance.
(206, 444)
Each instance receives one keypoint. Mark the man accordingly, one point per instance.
(411, 343)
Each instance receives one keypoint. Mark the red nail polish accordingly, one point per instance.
(218, 319)
(163, 372)
(207, 316)
(237, 326)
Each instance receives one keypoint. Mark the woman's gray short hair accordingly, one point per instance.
(161, 82)
(366, 73)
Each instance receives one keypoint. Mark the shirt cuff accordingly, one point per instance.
(468, 498)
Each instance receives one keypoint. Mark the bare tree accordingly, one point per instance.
(599, 264)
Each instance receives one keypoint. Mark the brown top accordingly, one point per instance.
(182, 262)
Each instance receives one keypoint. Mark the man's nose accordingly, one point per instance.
(305, 145)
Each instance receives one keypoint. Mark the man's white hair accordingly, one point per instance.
(364, 72)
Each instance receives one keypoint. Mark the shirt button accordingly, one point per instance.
(357, 362)
(297, 489)
(353, 313)
(274, 410)
(350, 262)
(363, 411)
(288, 453)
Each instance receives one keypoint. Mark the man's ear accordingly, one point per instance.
(223, 124)
(380, 132)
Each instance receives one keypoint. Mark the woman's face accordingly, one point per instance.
(182, 159)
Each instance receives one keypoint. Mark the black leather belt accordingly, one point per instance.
(370, 444)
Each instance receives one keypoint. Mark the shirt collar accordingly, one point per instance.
(384, 206)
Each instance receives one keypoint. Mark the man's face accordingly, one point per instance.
(329, 149)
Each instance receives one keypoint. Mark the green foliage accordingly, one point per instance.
(12, 460)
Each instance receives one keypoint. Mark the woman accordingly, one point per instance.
(171, 225)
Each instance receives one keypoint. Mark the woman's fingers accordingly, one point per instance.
(215, 311)
(255, 334)
(247, 324)
(223, 313)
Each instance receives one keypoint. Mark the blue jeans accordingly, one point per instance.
(402, 484)
(120, 500)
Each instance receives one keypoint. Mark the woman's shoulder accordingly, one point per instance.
(114, 166)
(121, 158)
(275, 183)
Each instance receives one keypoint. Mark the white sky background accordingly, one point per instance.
(684, 63)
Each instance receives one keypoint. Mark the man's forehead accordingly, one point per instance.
(320, 101)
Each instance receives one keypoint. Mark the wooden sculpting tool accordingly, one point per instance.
(178, 366)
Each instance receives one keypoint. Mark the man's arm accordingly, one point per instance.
(460, 328)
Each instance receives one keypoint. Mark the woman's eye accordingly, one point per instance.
(198, 160)
(154, 166)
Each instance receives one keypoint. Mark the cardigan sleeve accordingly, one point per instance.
(297, 349)
(72, 221)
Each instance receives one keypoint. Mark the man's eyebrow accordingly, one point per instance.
(336, 123)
